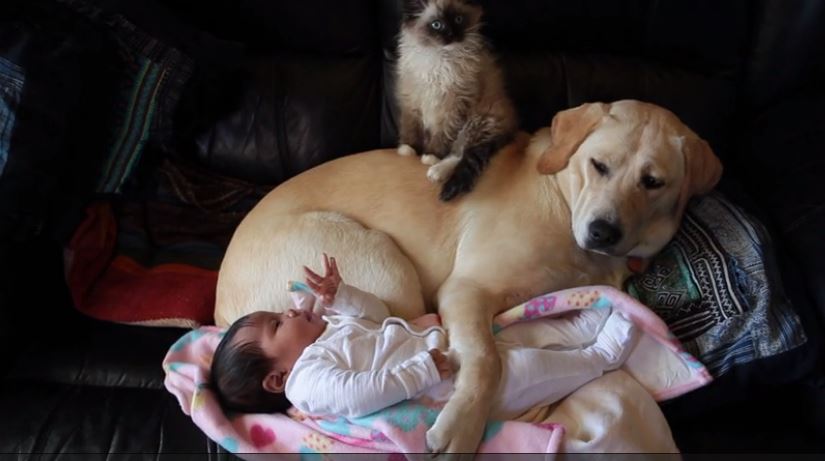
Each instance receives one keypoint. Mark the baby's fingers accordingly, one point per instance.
(312, 275)
(326, 263)
(314, 286)
(334, 264)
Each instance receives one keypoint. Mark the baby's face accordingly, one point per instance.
(283, 336)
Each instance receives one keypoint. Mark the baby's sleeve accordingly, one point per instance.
(351, 301)
(320, 387)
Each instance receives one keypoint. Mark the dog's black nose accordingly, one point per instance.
(602, 234)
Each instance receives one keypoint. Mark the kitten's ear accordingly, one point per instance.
(569, 129)
(414, 7)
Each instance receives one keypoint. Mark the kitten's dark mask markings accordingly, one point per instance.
(446, 26)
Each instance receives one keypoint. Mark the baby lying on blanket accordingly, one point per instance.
(356, 359)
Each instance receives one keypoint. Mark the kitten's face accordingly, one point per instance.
(441, 22)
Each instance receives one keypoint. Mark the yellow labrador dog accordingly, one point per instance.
(563, 208)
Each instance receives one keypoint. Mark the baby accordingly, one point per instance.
(356, 359)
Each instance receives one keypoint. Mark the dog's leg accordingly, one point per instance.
(466, 311)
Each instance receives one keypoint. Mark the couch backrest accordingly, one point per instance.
(324, 73)
(313, 87)
(786, 52)
(319, 74)
(685, 55)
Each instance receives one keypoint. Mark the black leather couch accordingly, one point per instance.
(278, 87)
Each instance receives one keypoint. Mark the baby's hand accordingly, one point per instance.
(327, 286)
(442, 363)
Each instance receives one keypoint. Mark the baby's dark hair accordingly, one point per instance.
(238, 372)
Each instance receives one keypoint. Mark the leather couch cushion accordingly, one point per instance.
(309, 26)
(63, 419)
(71, 384)
(788, 50)
(784, 155)
(297, 111)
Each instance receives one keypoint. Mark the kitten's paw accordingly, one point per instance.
(405, 150)
(428, 159)
(442, 170)
(436, 175)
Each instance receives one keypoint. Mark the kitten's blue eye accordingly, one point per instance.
(437, 25)
(458, 19)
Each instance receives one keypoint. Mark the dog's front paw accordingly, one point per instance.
(405, 150)
(436, 440)
(455, 433)
(450, 444)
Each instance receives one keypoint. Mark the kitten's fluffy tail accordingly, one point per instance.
(471, 165)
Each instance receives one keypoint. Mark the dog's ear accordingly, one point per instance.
(702, 168)
(569, 129)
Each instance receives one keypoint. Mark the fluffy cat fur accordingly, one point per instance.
(454, 110)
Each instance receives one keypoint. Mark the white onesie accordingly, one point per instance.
(365, 361)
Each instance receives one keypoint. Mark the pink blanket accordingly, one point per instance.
(657, 362)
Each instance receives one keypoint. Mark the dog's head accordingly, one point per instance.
(627, 170)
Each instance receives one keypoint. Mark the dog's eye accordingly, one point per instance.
(650, 183)
(458, 19)
(600, 167)
(437, 25)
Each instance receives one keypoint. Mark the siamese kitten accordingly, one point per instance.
(454, 110)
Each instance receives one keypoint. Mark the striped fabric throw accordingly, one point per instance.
(718, 289)
(152, 78)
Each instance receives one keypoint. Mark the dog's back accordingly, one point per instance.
(387, 227)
